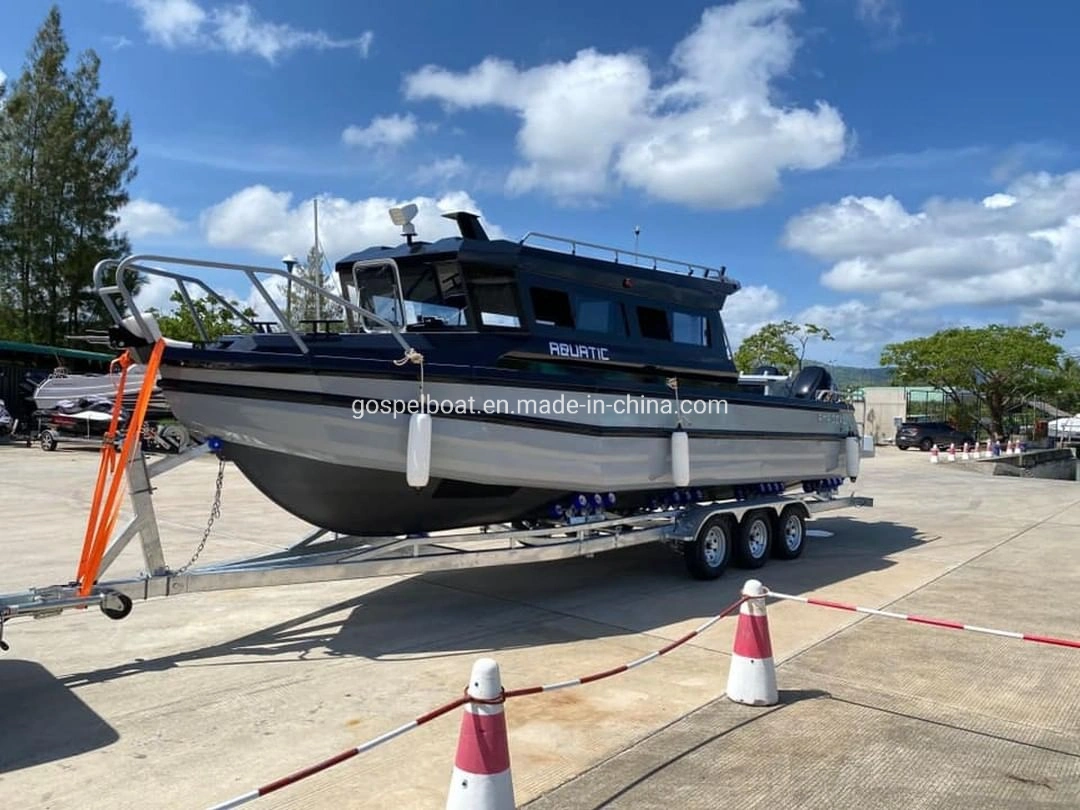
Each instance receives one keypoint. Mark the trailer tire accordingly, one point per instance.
(755, 541)
(707, 555)
(48, 440)
(116, 606)
(790, 539)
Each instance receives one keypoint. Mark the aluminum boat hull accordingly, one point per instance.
(300, 441)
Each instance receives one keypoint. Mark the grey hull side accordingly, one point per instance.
(496, 453)
(348, 474)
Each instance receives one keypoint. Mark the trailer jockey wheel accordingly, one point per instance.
(48, 440)
(755, 538)
(116, 605)
(790, 539)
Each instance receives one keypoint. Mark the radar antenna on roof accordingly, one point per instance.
(403, 216)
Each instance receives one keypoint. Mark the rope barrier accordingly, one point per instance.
(337, 759)
(945, 623)
(637, 662)
(461, 701)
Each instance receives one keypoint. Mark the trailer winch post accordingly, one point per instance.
(103, 515)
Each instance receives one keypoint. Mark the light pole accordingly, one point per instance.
(290, 262)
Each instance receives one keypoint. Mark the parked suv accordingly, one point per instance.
(925, 435)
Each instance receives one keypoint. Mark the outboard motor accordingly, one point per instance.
(809, 381)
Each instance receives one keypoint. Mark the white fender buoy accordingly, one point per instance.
(418, 452)
(851, 456)
(680, 458)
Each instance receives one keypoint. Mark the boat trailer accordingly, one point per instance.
(708, 535)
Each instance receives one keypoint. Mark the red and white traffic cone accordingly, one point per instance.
(934, 454)
(952, 451)
(752, 675)
(965, 452)
(481, 778)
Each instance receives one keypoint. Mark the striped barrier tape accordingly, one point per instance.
(337, 759)
(907, 617)
(598, 676)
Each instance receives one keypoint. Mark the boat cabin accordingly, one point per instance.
(585, 307)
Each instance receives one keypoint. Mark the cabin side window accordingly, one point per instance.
(653, 323)
(599, 315)
(551, 307)
(690, 327)
(583, 312)
(495, 294)
(677, 326)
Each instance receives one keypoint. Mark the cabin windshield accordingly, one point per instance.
(431, 294)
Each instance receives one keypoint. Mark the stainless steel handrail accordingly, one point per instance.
(617, 252)
(121, 287)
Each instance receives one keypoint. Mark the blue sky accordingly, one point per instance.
(882, 167)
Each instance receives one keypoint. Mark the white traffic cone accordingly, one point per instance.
(934, 454)
(965, 454)
(481, 778)
(952, 451)
(752, 674)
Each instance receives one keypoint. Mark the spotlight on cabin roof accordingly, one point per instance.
(403, 216)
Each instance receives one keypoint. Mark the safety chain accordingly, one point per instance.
(215, 513)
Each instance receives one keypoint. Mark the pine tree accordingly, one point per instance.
(65, 161)
(306, 304)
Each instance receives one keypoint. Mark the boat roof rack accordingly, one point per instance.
(644, 260)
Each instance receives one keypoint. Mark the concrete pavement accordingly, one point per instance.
(195, 698)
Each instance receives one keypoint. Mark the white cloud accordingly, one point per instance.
(235, 28)
(879, 14)
(748, 310)
(155, 292)
(171, 22)
(1020, 246)
(141, 218)
(117, 42)
(860, 329)
(265, 221)
(441, 171)
(386, 130)
(712, 136)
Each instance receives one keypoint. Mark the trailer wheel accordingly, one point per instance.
(48, 440)
(708, 553)
(790, 533)
(116, 605)
(755, 538)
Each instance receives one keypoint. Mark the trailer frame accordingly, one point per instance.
(322, 555)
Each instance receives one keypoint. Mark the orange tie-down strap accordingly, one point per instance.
(105, 506)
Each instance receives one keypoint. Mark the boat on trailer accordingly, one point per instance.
(63, 386)
(477, 381)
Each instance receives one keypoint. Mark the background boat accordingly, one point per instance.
(61, 386)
